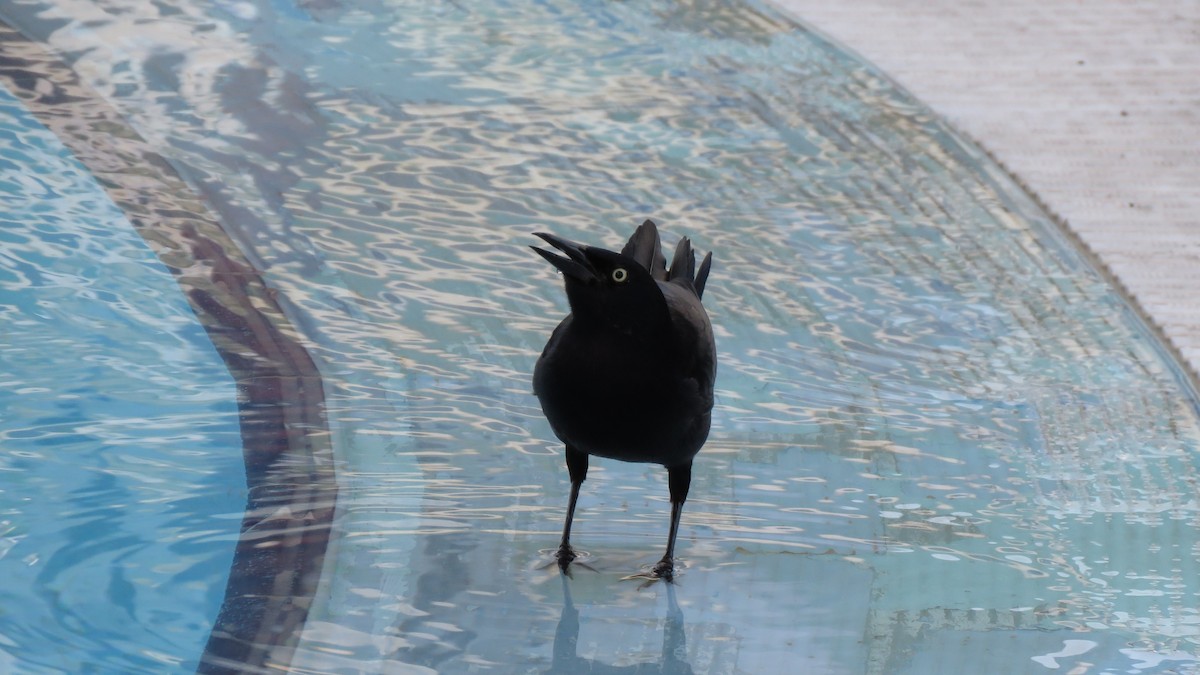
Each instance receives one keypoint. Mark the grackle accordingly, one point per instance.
(628, 374)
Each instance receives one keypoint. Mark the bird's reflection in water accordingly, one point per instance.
(672, 661)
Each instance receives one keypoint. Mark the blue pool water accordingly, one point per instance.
(123, 487)
(269, 319)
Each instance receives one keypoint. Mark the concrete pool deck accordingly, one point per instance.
(1094, 107)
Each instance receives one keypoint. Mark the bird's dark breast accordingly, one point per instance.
(613, 401)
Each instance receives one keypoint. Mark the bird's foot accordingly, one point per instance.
(663, 570)
(564, 556)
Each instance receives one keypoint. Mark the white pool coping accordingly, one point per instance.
(1094, 107)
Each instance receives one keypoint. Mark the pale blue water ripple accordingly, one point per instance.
(120, 454)
(929, 405)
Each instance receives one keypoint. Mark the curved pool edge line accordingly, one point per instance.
(290, 474)
(1187, 374)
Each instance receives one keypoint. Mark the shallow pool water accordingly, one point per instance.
(266, 263)
(120, 498)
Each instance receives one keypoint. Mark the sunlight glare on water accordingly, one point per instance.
(941, 436)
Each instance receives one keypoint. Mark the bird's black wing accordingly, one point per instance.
(695, 347)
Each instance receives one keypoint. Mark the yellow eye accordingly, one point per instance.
(619, 275)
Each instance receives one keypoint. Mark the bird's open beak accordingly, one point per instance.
(575, 265)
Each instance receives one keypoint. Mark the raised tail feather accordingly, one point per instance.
(644, 247)
(702, 275)
(683, 267)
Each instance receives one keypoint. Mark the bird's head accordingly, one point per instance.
(606, 286)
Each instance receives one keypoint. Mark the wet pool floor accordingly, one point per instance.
(942, 441)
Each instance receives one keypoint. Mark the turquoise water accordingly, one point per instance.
(942, 441)
(121, 480)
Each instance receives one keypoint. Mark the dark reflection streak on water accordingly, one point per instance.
(448, 561)
(566, 644)
(289, 469)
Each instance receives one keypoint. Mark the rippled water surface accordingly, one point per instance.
(121, 480)
(942, 441)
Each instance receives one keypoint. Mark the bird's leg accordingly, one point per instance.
(577, 466)
(679, 478)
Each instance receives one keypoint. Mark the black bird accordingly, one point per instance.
(628, 374)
